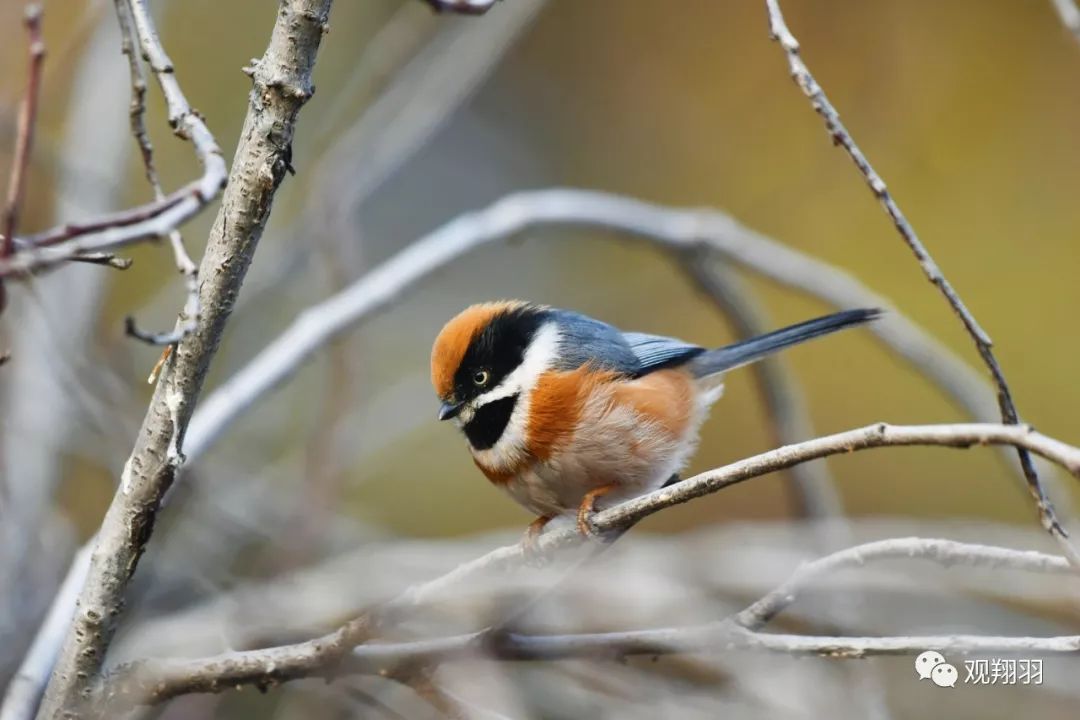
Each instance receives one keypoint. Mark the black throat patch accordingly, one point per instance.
(489, 422)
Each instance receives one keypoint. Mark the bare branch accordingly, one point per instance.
(840, 136)
(942, 552)
(462, 7)
(282, 84)
(813, 487)
(187, 267)
(25, 689)
(681, 230)
(148, 221)
(270, 666)
(153, 681)
(24, 141)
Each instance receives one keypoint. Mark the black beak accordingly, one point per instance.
(450, 410)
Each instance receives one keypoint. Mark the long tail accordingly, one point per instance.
(745, 352)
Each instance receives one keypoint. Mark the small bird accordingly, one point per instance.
(560, 409)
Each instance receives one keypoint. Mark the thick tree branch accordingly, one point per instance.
(159, 680)
(282, 84)
(840, 136)
(153, 681)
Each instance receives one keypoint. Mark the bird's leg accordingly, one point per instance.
(585, 510)
(528, 541)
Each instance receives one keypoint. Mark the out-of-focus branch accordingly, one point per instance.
(125, 9)
(153, 681)
(25, 689)
(1069, 13)
(840, 136)
(813, 487)
(282, 84)
(322, 655)
(681, 230)
(942, 552)
(54, 325)
(462, 7)
(24, 140)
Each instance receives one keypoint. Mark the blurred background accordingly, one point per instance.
(968, 109)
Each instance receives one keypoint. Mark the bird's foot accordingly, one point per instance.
(587, 509)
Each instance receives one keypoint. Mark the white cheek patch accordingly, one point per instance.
(539, 357)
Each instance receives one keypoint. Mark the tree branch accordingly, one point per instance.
(840, 136)
(813, 488)
(282, 84)
(148, 221)
(462, 7)
(184, 264)
(321, 656)
(24, 141)
(680, 230)
(153, 681)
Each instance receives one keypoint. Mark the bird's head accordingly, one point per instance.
(486, 358)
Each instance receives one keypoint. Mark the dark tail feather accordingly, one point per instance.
(745, 352)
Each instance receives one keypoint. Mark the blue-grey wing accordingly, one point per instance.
(655, 352)
(586, 340)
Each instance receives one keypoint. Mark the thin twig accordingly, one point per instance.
(24, 140)
(840, 136)
(153, 681)
(148, 221)
(97, 258)
(106, 259)
(189, 315)
(462, 7)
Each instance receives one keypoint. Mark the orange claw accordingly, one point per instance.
(585, 510)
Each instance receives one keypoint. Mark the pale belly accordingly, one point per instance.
(613, 444)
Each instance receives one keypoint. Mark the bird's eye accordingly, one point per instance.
(480, 378)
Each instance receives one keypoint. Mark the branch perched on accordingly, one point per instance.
(153, 681)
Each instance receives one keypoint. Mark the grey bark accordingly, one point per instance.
(281, 86)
